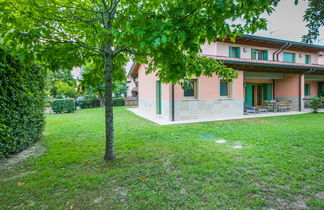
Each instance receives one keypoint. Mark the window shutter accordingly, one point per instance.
(252, 53)
(307, 59)
(307, 90)
(238, 52)
(267, 92)
(230, 51)
(265, 55)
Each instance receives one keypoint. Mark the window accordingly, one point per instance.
(307, 59)
(259, 54)
(190, 90)
(289, 57)
(234, 52)
(224, 88)
(307, 90)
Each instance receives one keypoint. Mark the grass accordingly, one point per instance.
(279, 166)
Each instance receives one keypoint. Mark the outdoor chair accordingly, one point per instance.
(289, 105)
(250, 109)
(262, 108)
(282, 106)
(270, 106)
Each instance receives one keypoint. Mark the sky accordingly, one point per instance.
(286, 22)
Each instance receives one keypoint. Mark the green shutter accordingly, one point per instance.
(252, 53)
(307, 59)
(306, 90)
(158, 97)
(289, 57)
(265, 55)
(238, 52)
(267, 92)
(230, 52)
(320, 89)
(248, 94)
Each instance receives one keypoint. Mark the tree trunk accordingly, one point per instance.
(109, 153)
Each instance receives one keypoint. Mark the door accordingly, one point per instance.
(249, 94)
(321, 89)
(158, 97)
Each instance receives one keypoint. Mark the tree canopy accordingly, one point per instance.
(314, 16)
(165, 34)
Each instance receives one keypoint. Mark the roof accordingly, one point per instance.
(275, 43)
(270, 66)
(133, 72)
(266, 62)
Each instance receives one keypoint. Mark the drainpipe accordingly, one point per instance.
(172, 103)
(299, 97)
(275, 52)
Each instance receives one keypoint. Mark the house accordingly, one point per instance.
(132, 86)
(269, 69)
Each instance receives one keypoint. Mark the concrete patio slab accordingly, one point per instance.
(160, 121)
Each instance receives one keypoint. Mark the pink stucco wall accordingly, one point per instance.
(221, 49)
(313, 87)
(238, 86)
(209, 88)
(289, 86)
(321, 59)
(147, 85)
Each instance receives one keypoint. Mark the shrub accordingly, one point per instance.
(89, 104)
(63, 105)
(315, 103)
(21, 104)
(118, 102)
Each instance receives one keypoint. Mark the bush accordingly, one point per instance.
(118, 102)
(89, 101)
(21, 104)
(63, 105)
(315, 103)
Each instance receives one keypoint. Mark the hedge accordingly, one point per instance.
(118, 102)
(88, 104)
(21, 104)
(63, 105)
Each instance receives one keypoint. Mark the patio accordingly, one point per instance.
(158, 120)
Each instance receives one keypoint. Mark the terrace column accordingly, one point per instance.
(291, 88)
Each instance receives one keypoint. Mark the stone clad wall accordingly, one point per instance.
(207, 108)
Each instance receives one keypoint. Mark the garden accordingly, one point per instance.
(279, 164)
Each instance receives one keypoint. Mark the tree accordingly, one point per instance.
(61, 79)
(164, 34)
(93, 82)
(314, 16)
(64, 89)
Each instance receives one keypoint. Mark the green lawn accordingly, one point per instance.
(279, 166)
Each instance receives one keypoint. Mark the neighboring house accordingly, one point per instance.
(269, 69)
(132, 82)
(132, 86)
